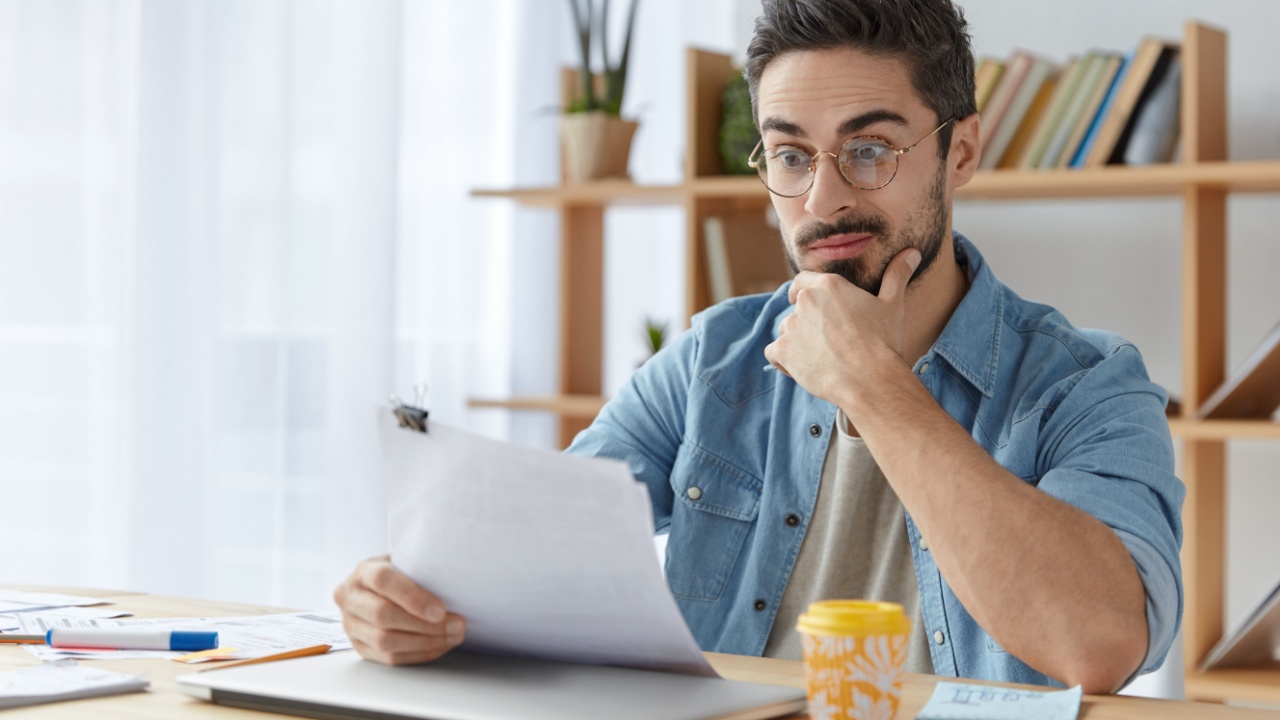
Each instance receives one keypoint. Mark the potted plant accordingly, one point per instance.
(655, 337)
(595, 140)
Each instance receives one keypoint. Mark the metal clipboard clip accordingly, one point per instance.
(412, 416)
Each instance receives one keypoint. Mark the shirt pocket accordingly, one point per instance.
(716, 505)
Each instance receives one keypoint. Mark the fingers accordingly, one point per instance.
(801, 281)
(898, 274)
(389, 582)
(400, 648)
(771, 353)
(391, 619)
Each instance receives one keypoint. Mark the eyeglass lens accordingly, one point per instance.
(868, 163)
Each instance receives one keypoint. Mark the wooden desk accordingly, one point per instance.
(162, 702)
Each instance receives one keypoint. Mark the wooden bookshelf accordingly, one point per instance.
(574, 406)
(1202, 182)
(1260, 176)
(1257, 684)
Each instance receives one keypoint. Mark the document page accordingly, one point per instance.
(545, 555)
(62, 681)
(249, 634)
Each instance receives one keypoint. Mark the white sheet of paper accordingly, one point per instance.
(10, 623)
(544, 554)
(962, 701)
(251, 633)
(62, 681)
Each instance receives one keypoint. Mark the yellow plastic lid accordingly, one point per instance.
(854, 617)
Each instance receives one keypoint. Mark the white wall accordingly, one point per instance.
(1112, 264)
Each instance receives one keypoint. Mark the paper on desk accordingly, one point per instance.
(545, 555)
(62, 681)
(251, 634)
(959, 701)
(9, 623)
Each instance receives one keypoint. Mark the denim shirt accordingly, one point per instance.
(730, 452)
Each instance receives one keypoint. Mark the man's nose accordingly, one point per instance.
(831, 194)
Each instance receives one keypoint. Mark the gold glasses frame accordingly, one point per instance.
(753, 161)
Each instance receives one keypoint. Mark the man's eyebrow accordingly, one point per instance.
(850, 126)
(854, 124)
(782, 126)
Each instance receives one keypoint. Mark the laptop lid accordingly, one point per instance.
(472, 686)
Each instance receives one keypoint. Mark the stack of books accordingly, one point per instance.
(1100, 108)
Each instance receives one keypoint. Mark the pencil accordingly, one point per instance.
(297, 652)
(22, 639)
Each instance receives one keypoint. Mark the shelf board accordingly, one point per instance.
(1258, 684)
(1108, 182)
(576, 406)
(1225, 429)
(1121, 181)
(597, 192)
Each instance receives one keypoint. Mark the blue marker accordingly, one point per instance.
(122, 638)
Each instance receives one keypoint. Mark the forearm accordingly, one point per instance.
(1052, 584)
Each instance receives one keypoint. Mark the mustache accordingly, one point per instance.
(847, 225)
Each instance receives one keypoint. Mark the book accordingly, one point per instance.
(1021, 141)
(1115, 127)
(1155, 130)
(1093, 65)
(1024, 96)
(985, 79)
(1254, 643)
(1092, 135)
(1067, 82)
(1253, 390)
(744, 256)
(1110, 65)
(1002, 96)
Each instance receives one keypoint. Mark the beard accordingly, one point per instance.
(923, 230)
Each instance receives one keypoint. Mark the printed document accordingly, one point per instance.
(250, 634)
(62, 681)
(546, 555)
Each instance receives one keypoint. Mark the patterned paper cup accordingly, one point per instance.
(854, 654)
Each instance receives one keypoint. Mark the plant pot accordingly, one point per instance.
(594, 145)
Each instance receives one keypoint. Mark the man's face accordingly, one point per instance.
(817, 100)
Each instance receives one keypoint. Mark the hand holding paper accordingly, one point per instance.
(545, 555)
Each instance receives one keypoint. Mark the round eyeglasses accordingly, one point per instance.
(866, 161)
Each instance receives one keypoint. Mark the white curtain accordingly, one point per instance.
(228, 230)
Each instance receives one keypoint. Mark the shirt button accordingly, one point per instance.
(793, 520)
(815, 431)
(761, 605)
(694, 493)
(924, 368)
(924, 545)
(938, 637)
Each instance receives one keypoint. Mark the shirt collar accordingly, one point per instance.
(970, 342)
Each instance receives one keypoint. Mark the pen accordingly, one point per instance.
(120, 639)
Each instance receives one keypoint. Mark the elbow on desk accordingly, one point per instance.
(1103, 668)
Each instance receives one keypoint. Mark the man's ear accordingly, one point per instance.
(966, 150)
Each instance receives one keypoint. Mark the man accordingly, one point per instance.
(922, 435)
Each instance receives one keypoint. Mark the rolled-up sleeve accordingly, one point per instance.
(1106, 450)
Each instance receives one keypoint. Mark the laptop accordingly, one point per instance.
(474, 686)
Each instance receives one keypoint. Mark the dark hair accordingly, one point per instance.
(930, 36)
